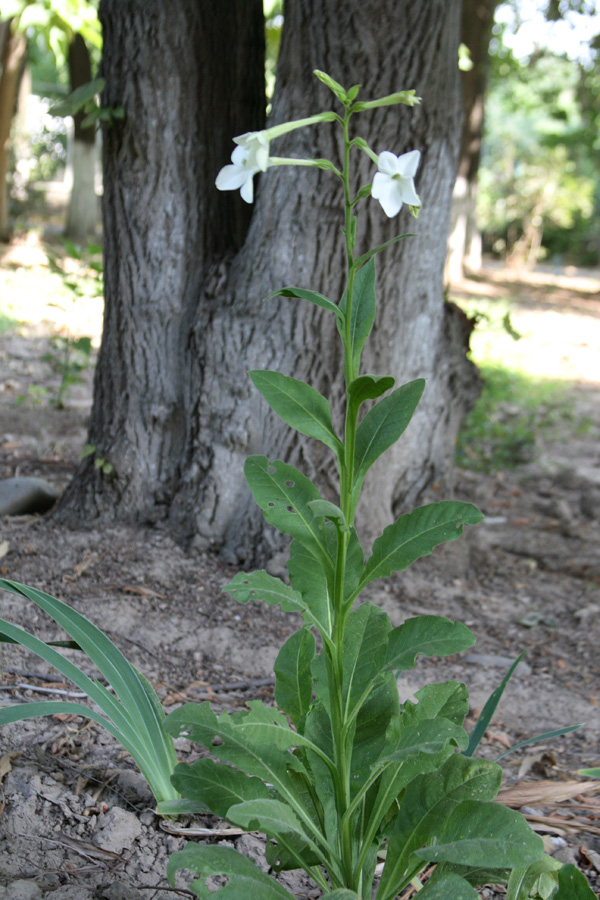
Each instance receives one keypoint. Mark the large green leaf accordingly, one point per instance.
(478, 833)
(383, 425)
(427, 736)
(450, 699)
(298, 404)
(362, 315)
(217, 785)
(427, 635)
(283, 493)
(365, 641)
(369, 739)
(311, 296)
(368, 387)
(272, 817)
(523, 879)
(416, 534)
(445, 886)
(293, 684)
(244, 879)
(428, 800)
(310, 581)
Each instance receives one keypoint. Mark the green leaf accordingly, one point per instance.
(485, 717)
(427, 802)
(293, 684)
(365, 641)
(216, 785)
(182, 807)
(573, 885)
(136, 711)
(78, 98)
(311, 296)
(367, 256)
(450, 699)
(428, 736)
(427, 635)
(589, 773)
(408, 98)
(329, 511)
(416, 534)
(299, 405)
(283, 493)
(478, 833)
(368, 387)
(546, 736)
(522, 879)
(341, 894)
(383, 425)
(370, 738)
(246, 586)
(272, 817)
(447, 886)
(244, 879)
(362, 315)
(310, 581)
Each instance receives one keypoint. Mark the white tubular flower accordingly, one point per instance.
(249, 157)
(393, 184)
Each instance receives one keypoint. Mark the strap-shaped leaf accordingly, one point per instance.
(244, 878)
(283, 493)
(362, 314)
(427, 802)
(311, 296)
(217, 785)
(416, 534)
(383, 425)
(479, 833)
(427, 635)
(298, 404)
(293, 680)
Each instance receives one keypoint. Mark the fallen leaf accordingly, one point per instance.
(531, 793)
(4, 548)
(590, 857)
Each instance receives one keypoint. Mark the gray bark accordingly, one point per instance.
(174, 410)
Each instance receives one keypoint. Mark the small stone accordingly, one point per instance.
(117, 830)
(70, 892)
(500, 662)
(26, 496)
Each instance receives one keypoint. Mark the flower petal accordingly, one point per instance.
(388, 163)
(230, 178)
(408, 163)
(406, 190)
(247, 191)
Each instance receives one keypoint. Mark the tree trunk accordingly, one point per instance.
(174, 410)
(13, 47)
(84, 208)
(464, 243)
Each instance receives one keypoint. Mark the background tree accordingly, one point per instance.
(13, 47)
(186, 266)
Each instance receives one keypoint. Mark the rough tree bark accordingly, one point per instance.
(13, 47)
(174, 410)
(464, 243)
(84, 208)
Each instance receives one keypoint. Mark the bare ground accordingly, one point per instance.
(76, 820)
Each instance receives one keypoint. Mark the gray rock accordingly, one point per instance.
(117, 830)
(25, 496)
(70, 892)
(21, 890)
(500, 662)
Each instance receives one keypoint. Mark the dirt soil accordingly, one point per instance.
(76, 819)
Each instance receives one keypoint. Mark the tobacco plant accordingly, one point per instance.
(342, 774)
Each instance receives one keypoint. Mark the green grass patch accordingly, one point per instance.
(513, 410)
(7, 322)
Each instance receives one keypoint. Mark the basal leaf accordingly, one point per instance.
(244, 878)
(427, 635)
(383, 425)
(283, 493)
(298, 404)
(217, 785)
(311, 296)
(522, 879)
(293, 684)
(272, 817)
(447, 886)
(573, 885)
(428, 736)
(479, 833)
(416, 534)
(363, 310)
(427, 801)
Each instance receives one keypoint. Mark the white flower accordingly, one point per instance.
(249, 157)
(393, 184)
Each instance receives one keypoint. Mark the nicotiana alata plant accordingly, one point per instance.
(343, 774)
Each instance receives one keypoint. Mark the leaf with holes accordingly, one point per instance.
(298, 404)
(283, 493)
(244, 878)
